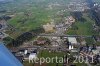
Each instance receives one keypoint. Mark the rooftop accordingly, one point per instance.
(72, 40)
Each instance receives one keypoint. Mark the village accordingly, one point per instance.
(57, 38)
(54, 40)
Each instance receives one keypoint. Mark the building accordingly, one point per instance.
(2, 35)
(78, 6)
(72, 40)
(3, 24)
(95, 52)
(71, 47)
(32, 56)
(69, 20)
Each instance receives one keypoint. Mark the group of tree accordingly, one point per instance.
(25, 37)
(78, 16)
(4, 17)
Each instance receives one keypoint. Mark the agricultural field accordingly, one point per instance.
(83, 28)
(30, 14)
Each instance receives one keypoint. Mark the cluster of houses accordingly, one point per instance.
(52, 27)
(78, 5)
(3, 26)
(91, 53)
(69, 20)
(51, 5)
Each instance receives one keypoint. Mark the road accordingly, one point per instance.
(64, 35)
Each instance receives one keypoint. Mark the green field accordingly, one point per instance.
(83, 28)
(30, 14)
(46, 54)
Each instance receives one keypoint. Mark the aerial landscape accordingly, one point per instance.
(49, 32)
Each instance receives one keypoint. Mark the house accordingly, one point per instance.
(72, 41)
(0, 26)
(32, 57)
(96, 52)
(2, 35)
(69, 20)
(71, 47)
(3, 24)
